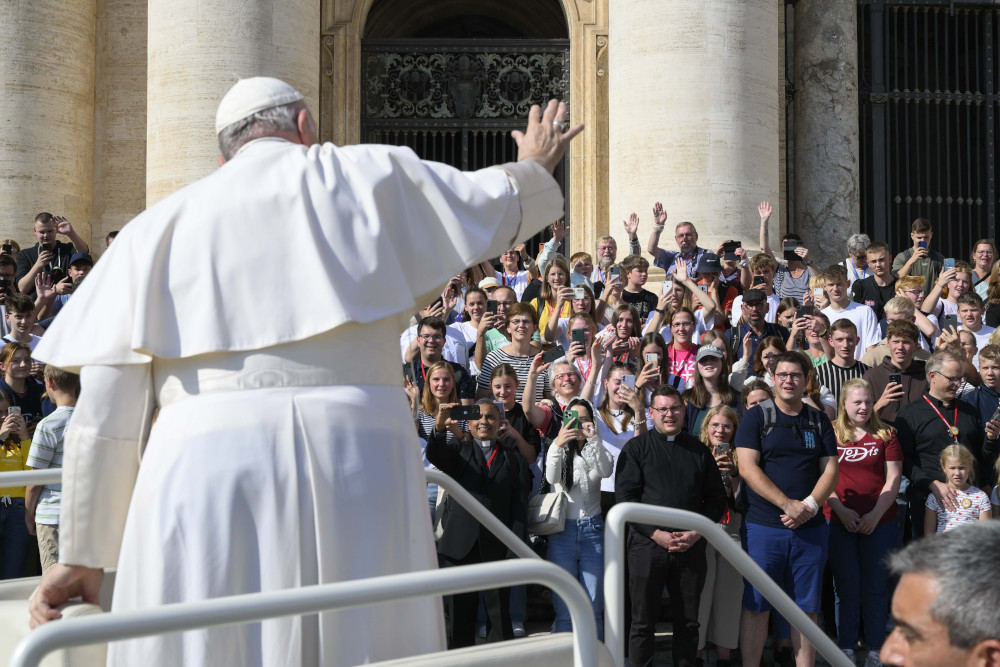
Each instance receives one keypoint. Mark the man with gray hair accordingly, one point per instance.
(283, 454)
(857, 261)
(946, 603)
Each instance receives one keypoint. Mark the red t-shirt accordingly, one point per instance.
(862, 475)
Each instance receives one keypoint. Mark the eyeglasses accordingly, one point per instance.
(951, 380)
(669, 408)
(794, 377)
(564, 376)
(521, 323)
(434, 337)
(915, 292)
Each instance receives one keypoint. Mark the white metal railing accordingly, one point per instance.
(30, 477)
(311, 599)
(614, 558)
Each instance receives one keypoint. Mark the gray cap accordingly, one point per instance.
(754, 295)
(709, 350)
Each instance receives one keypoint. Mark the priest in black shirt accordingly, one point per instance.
(877, 289)
(931, 423)
(671, 469)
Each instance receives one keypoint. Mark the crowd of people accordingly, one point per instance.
(823, 416)
(36, 400)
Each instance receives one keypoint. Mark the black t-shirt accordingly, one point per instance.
(532, 291)
(992, 317)
(643, 300)
(26, 259)
(871, 294)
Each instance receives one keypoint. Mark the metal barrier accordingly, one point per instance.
(614, 557)
(313, 599)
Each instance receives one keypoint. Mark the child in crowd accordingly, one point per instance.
(820, 298)
(21, 320)
(42, 502)
(636, 271)
(972, 504)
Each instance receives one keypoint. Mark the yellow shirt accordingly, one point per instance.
(13, 454)
(544, 311)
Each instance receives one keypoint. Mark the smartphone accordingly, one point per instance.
(950, 321)
(789, 250)
(500, 409)
(949, 263)
(757, 280)
(579, 336)
(14, 410)
(896, 377)
(7, 249)
(652, 358)
(667, 286)
(555, 353)
(729, 249)
(491, 307)
(805, 311)
(723, 448)
(466, 412)
(579, 293)
(615, 272)
(438, 301)
(818, 293)
(571, 419)
(921, 244)
(629, 381)
(703, 288)
(996, 415)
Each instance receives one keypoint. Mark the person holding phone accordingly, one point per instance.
(900, 379)
(581, 301)
(577, 462)
(721, 598)
(49, 253)
(521, 324)
(794, 269)
(15, 535)
(492, 470)
(553, 301)
(25, 392)
(622, 415)
(919, 260)
(942, 300)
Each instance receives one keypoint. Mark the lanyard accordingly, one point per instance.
(580, 366)
(492, 456)
(503, 278)
(854, 267)
(952, 429)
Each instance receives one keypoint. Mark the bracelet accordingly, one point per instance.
(658, 310)
(658, 228)
(810, 502)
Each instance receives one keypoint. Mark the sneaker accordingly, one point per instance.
(482, 632)
(518, 629)
(873, 659)
(850, 654)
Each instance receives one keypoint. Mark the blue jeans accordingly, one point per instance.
(579, 549)
(860, 581)
(14, 538)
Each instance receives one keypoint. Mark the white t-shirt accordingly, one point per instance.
(863, 318)
(31, 343)
(455, 348)
(614, 442)
(971, 503)
(772, 309)
(518, 282)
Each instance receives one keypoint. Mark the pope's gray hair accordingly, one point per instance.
(266, 122)
(964, 562)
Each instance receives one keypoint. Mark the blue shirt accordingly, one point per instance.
(665, 260)
(789, 457)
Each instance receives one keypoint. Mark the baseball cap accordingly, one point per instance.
(81, 257)
(709, 351)
(709, 263)
(754, 295)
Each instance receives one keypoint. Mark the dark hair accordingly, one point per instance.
(768, 341)
(43, 218)
(665, 390)
(472, 290)
(20, 303)
(843, 324)
(435, 323)
(797, 358)
(969, 298)
(902, 329)
(920, 225)
(752, 386)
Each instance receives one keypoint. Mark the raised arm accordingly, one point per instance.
(659, 222)
(764, 210)
(534, 413)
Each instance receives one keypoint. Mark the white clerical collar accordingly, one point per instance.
(486, 445)
(260, 140)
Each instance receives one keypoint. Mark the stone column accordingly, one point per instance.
(197, 50)
(47, 118)
(827, 195)
(694, 96)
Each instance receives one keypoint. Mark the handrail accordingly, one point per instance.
(312, 599)
(30, 477)
(483, 515)
(614, 595)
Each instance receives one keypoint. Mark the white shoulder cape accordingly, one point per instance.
(285, 242)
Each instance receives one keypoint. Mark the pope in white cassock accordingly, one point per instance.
(259, 309)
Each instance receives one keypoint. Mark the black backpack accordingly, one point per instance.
(771, 419)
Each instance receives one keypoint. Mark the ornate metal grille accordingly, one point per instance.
(928, 96)
(456, 101)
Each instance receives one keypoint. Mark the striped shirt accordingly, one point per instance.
(47, 452)
(833, 377)
(521, 366)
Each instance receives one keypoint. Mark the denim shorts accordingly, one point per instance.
(793, 558)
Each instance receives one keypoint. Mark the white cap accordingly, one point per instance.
(249, 96)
